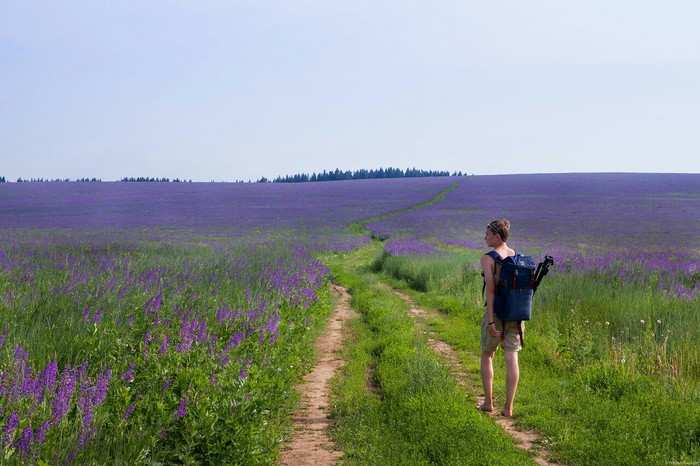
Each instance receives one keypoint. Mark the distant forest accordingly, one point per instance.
(362, 174)
(335, 175)
(55, 180)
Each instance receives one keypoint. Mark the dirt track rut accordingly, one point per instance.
(310, 443)
(529, 441)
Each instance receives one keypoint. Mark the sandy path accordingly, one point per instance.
(525, 440)
(310, 443)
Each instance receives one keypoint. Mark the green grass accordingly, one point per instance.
(359, 228)
(595, 399)
(241, 395)
(396, 402)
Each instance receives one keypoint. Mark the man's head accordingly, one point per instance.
(500, 228)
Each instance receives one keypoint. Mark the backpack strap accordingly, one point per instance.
(497, 258)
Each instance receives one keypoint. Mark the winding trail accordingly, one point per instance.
(528, 441)
(310, 443)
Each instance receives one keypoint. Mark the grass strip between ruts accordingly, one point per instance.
(395, 401)
(588, 412)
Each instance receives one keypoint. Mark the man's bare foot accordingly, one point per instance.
(507, 413)
(485, 407)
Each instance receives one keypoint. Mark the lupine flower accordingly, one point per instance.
(164, 344)
(128, 411)
(86, 315)
(3, 336)
(153, 304)
(9, 428)
(146, 343)
(128, 375)
(182, 408)
(24, 443)
(64, 394)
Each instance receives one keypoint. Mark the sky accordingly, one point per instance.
(233, 90)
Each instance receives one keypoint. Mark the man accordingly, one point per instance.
(491, 326)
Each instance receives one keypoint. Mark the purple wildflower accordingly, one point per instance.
(186, 336)
(40, 434)
(128, 375)
(146, 343)
(128, 411)
(64, 394)
(9, 428)
(182, 408)
(202, 334)
(35, 389)
(24, 443)
(153, 304)
(101, 387)
(3, 336)
(164, 344)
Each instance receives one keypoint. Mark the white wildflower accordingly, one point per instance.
(607, 323)
(658, 321)
(642, 321)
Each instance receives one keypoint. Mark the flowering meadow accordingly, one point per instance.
(317, 213)
(115, 353)
(610, 372)
(634, 227)
(166, 323)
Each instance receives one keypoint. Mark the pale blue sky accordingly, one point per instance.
(237, 90)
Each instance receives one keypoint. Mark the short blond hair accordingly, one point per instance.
(501, 228)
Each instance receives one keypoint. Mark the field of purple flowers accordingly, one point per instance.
(611, 367)
(156, 322)
(636, 227)
(317, 213)
(168, 322)
(118, 353)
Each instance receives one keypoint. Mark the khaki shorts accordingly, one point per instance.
(511, 341)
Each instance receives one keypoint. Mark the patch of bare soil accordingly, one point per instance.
(529, 441)
(310, 443)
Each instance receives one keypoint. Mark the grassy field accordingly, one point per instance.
(396, 402)
(182, 344)
(153, 353)
(609, 374)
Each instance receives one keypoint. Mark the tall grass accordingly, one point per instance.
(396, 402)
(152, 353)
(610, 370)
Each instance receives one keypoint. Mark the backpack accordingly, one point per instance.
(515, 287)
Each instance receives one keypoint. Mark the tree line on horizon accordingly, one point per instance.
(53, 180)
(362, 174)
(335, 175)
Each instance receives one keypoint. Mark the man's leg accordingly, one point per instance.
(512, 377)
(487, 380)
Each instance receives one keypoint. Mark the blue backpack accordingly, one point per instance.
(515, 287)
